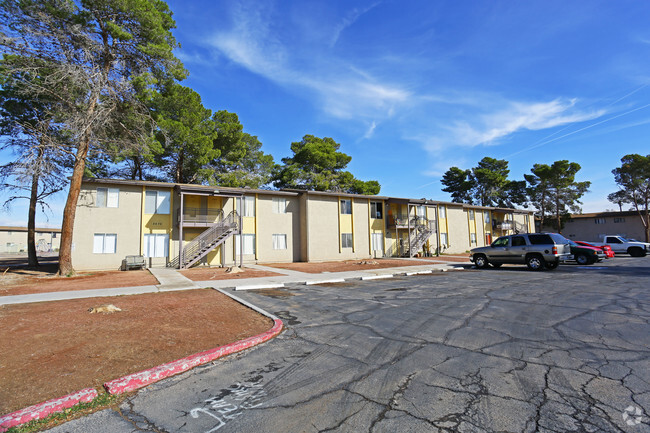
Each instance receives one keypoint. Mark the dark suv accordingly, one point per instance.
(536, 250)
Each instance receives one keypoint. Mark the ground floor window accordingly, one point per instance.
(472, 238)
(378, 242)
(280, 242)
(156, 245)
(443, 239)
(104, 243)
(249, 244)
(346, 240)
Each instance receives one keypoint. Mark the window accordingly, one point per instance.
(249, 244)
(156, 245)
(518, 241)
(443, 239)
(600, 221)
(541, 239)
(619, 220)
(421, 211)
(157, 202)
(279, 242)
(279, 205)
(487, 218)
(249, 207)
(107, 197)
(472, 238)
(378, 242)
(443, 212)
(346, 207)
(501, 242)
(53, 235)
(346, 240)
(471, 214)
(613, 240)
(104, 243)
(376, 209)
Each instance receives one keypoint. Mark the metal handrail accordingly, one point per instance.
(193, 250)
(199, 215)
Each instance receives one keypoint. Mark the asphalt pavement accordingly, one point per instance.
(496, 350)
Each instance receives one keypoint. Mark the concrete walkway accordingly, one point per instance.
(171, 279)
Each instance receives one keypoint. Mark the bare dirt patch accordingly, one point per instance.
(348, 265)
(22, 281)
(50, 349)
(207, 274)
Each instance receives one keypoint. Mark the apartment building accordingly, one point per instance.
(13, 240)
(591, 226)
(226, 226)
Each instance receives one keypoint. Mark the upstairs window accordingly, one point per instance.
(279, 205)
(600, 220)
(346, 207)
(421, 211)
(487, 218)
(443, 212)
(157, 202)
(248, 204)
(107, 197)
(619, 220)
(471, 214)
(376, 209)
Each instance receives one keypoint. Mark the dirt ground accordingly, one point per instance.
(22, 281)
(356, 265)
(207, 274)
(50, 349)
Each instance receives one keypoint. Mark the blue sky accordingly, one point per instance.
(410, 88)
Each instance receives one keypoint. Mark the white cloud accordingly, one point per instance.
(348, 20)
(517, 116)
(370, 131)
(342, 90)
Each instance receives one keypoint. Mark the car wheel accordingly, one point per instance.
(496, 265)
(635, 252)
(552, 265)
(535, 263)
(582, 259)
(480, 261)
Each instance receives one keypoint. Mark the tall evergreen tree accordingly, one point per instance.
(97, 47)
(633, 177)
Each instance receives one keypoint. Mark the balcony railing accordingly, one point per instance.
(194, 216)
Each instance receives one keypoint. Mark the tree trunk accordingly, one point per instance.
(65, 252)
(32, 259)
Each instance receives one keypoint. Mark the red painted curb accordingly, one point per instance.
(44, 409)
(143, 378)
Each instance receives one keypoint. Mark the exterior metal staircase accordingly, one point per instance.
(207, 241)
(423, 231)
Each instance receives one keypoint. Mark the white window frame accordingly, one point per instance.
(618, 220)
(442, 212)
(486, 219)
(345, 209)
(279, 205)
(162, 202)
(421, 211)
(347, 240)
(471, 214)
(444, 239)
(158, 242)
(107, 197)
(279, 241)
(249, 244)
(248, 204)
(472, 238)
(104, 243)
(378, 242)
(600, 220)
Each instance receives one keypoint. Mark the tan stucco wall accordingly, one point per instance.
(270, 223)
(586, 229)
(458, 230)
(123, 221)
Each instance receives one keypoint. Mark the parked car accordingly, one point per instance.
(537, 250)
(621, 245)
(604, 248)
(586, 255)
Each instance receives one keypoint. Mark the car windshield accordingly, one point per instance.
(623, 239)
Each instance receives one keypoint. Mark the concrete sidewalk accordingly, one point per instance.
(171, 279)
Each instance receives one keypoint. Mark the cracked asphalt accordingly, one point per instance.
(498, 350)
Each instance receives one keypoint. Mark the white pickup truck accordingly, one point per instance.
(621, 245)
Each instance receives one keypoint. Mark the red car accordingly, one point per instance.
(605, 248)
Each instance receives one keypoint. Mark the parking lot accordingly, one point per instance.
(469, 351)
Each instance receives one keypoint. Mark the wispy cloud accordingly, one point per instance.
(348, 20)
(343, 90)
(517, 116)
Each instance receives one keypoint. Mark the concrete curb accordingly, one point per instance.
(143, 378)
(42, 410)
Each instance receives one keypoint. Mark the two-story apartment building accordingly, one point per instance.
(13, 240)
(183, 225)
